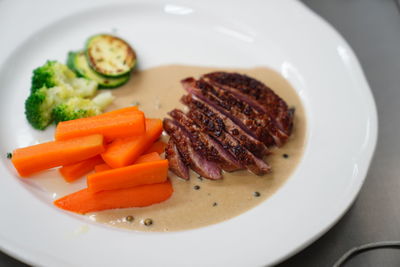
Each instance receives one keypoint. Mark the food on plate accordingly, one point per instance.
(210, 148)
(58, 94)
(190, 154)
(199, 136)
(125, 151)
(148, 157)
(152, 156)
(176, 163)
(192, 204)
(78, 62)
(151, 172)
(232, 122)
(77, 149)
(102, 167)
(85, 201)
(77, 107)
(109, 55)
(158, 147)
(32, 159)
(124, 124)
(75, 171)
(56, 74)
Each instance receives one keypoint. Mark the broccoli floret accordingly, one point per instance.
(76, 107)
(57, 94)
(54, 73)
(39, 105)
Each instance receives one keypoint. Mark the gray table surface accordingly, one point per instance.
(372, 28)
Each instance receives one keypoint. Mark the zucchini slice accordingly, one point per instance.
(77, 61)
(109, 55)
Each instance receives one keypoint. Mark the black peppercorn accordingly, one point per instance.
(148, 222)
(129, 218)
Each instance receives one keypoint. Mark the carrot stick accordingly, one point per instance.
(102, 167)
(29, 160)
(133, 175)
(149, 157)
(154, 156)
(85, 201)
(75, 171)
(125, 151)
(110, 126)
(158, 147)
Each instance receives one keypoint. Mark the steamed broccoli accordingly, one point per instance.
(54, 73)
(57, 94)
(76, 107)
(39, 105)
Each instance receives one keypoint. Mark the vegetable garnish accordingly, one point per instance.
(58, 94)
(149, 157)
(75, 171)
(109, 55)
(130, 176)
(124, 124)
(124, 151)
(85, 201)
(77, 61)
(32, 159)
(54, 84)
(158, 147)
(101, 167)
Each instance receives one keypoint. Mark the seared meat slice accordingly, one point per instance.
(175, 161)
(255, 94)
(259, 125)
(226, 124)
(245, 157)
(186, 148)
(213, 150)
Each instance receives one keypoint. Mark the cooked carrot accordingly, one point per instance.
(154, 156)
(85, 201)
(158, 147)
(29, 160)
(101, 167)
(125, 151)
(112, 126)
(149, 157)
(75, 171)
(133, 175)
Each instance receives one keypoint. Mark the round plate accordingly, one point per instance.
(281, 34)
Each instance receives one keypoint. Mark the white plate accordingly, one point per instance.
(284, 35)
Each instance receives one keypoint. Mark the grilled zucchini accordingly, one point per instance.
(109, 55)
(77, 61)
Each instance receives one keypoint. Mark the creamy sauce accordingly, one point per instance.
(157, 91)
